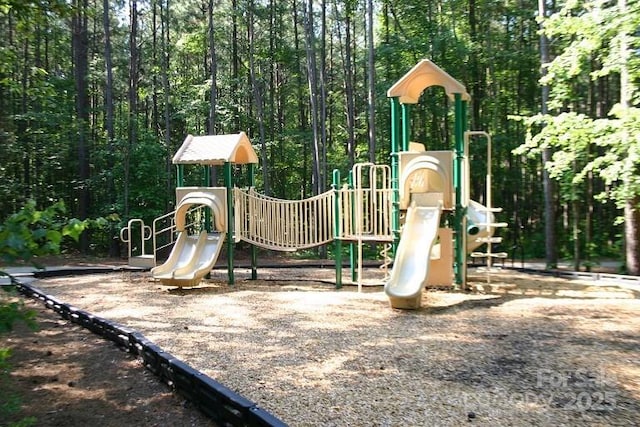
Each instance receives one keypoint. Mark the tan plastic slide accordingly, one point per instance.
(411, 265)
(191, 259)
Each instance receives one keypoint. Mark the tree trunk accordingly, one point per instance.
(302, 116)
(22, 124)
(257, 97)
(588, 227)
(322, 90)
(132, 98)
(551, 247)
(213, 68)
(114, 246)
(632, 205)
(235, 74)
(322, 251)
(349, 95)
(213, 90)
(164, 30)
(632, 235)
(371, 76)
(312, 80)
(576, 231)
(80, 42)
(155, 113)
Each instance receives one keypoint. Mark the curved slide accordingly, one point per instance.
(191, 259)
(478, 218)
(411, 266)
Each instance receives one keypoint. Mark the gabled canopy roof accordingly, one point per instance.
(425, 74)
(216, 150)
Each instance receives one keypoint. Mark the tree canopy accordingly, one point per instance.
(95, 97)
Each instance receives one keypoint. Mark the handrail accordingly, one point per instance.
(170, 229)
(145, 235)
(157, 229)
(371, 218)
(156, 232)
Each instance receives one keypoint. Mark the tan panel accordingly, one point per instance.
(216, 150)
(423, 75)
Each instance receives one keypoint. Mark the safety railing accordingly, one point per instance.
(365, 214)
(137, 247)
(366, 206)
(145, 242)
(283, 225)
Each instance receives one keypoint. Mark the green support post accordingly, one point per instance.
(180, 175)
(395, 185)
(337, 241)
(206, 176)
(406, 126)
(352, 245)
(228, 182)
(463, 130)
(460, 214)
(254, 249)
(206, 182)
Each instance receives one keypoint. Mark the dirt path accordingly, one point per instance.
(66, 376)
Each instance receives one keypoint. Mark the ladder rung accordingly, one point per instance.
(499, 255)
(489, 255)
(492, 224)
(485, 209)
(489, 239)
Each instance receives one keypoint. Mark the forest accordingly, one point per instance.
(96, 97)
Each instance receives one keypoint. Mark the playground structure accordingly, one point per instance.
(407, 206)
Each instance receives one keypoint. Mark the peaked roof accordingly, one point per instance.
(216, 150)
(423, 75)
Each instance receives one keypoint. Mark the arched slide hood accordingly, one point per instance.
(199, 198)
(424, 174)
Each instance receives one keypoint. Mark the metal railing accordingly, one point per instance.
(127, 236)
(365, 209)
(162, 234)
(365, 214)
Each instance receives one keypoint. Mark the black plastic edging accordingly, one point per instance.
(619, 278)
(216, 401)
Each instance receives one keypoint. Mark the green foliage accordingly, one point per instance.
(31, 232)
(619, 166)
(27, 233)
(587, 36)
(13, 311)
(593, 142)
(574, 139)
(492, 49)
(148, 189)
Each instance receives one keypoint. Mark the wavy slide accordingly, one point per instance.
(411, 266)
(190, 260)
(478, 218)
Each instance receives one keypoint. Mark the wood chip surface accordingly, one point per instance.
(521, 350)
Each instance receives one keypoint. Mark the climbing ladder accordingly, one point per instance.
(488, 210)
